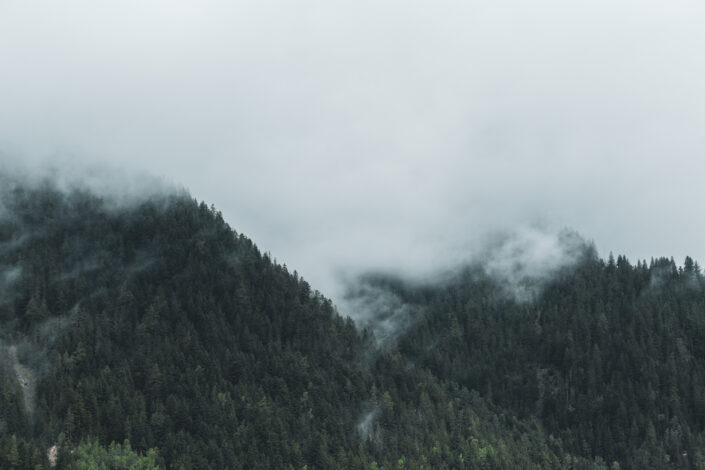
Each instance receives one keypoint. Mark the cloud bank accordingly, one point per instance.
(348, 135)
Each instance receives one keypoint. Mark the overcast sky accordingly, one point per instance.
(357, 134)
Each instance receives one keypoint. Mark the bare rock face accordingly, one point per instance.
(52, 453)
(25, 377)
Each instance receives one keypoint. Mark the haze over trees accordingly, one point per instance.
(150, 334)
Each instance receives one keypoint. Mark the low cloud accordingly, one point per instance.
(117, 185)
(378, 310)
(367, 425)
(9, 275)
(520, 263)
(374, 135)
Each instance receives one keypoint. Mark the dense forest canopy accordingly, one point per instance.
(609, 357)
(150, 332)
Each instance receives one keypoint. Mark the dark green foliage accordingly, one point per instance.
(92, 456)
(610, 357)
(156, 323)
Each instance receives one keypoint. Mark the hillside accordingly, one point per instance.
(609, 356)
(156, 323)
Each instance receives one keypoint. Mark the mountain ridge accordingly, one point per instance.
(157, 323)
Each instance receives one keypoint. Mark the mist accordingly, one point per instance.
(349, 136)
(28, 355)
(28, 330)
(520, 264)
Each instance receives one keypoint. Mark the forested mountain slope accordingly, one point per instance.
(154, 322)
(608, 356)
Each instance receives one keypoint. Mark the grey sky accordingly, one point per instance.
(355, 134)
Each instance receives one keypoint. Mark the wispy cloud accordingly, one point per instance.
(360, 134)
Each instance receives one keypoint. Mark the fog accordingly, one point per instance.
(343, 136)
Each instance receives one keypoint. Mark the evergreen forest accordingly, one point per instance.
(149, 334)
